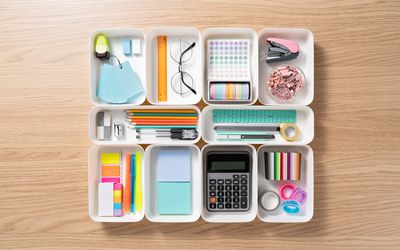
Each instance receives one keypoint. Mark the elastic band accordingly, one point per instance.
(283, 189)
(299, 195)
(291, 206)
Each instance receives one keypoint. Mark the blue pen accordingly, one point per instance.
(133, 171)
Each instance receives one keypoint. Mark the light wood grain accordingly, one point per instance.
(44, 104)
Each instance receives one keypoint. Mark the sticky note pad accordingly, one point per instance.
(117, 206)
(136, 46)
(126, 47)
(173, 165)
(110, 170)
(174, 198)
(110, 158)
(106, 199)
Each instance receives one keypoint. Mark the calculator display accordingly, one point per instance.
(228, 181)
(228, 165)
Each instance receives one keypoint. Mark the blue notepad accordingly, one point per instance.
(174, 198)
(173, 165)
(119, 84)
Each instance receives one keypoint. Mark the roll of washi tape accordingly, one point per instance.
(231, 87)
(245, 91)
(220, 91)
(269, 200)
(239, 93)
(290, 132)
(277, 166)
(291, 206)
(286, 191)
(296, 166)
(299, 195)
(213, 91)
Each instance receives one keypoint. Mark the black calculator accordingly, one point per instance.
(228, 181)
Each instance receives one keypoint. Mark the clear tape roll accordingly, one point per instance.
(290, 132)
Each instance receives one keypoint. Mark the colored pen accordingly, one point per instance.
(133, 172)
(138, 183)
(245, 137)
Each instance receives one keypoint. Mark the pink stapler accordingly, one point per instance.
(281, 49)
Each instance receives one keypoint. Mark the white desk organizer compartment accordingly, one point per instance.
(193, 66)
(231, 217)
(94, 178)
(233, 33)
(306, 183)
(151, 185)
(129, 137)
(137, 62)
(304, 116)
(304, 61)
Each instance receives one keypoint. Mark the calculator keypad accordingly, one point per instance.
(228, 192)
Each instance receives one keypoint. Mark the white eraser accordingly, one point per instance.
(136, 47)
(106, 199)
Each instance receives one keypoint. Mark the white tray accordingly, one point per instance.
(305, 122)
(118, 114)
(227, 217)
(305, 61)
(94, 178)
(151, 185)
(194, 66)
(233, 33)
(306, 183)
(137, 62)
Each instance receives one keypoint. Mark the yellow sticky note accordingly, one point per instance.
(110, 158)
(117, 199)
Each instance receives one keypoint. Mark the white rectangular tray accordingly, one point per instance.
(304, 61)
(305, 122)
(306, 183)
(137, 62)
(118, 114)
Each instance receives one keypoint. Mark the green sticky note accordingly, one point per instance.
(174, 198)
(110, 158)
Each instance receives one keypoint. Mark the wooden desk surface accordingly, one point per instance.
(44, 106)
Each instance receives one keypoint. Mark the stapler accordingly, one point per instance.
(281, 50)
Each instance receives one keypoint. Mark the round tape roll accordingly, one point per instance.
(290, 132)
(269, 200)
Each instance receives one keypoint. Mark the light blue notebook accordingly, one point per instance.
(173, 165)
(174, 198)
(119, 85)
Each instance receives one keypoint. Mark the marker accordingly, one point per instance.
(133, 172)
(245, 137)
(138, 183)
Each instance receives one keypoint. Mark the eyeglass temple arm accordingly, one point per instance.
(186, 50)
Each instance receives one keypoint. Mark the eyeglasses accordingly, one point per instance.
(182, 82)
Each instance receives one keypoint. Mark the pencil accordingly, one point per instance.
(161, 111)
(165, 117)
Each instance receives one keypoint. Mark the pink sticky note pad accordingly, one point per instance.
(111, 179)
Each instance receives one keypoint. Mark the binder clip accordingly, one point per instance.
(281, 50)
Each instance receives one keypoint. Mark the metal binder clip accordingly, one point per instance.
(281, 50)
